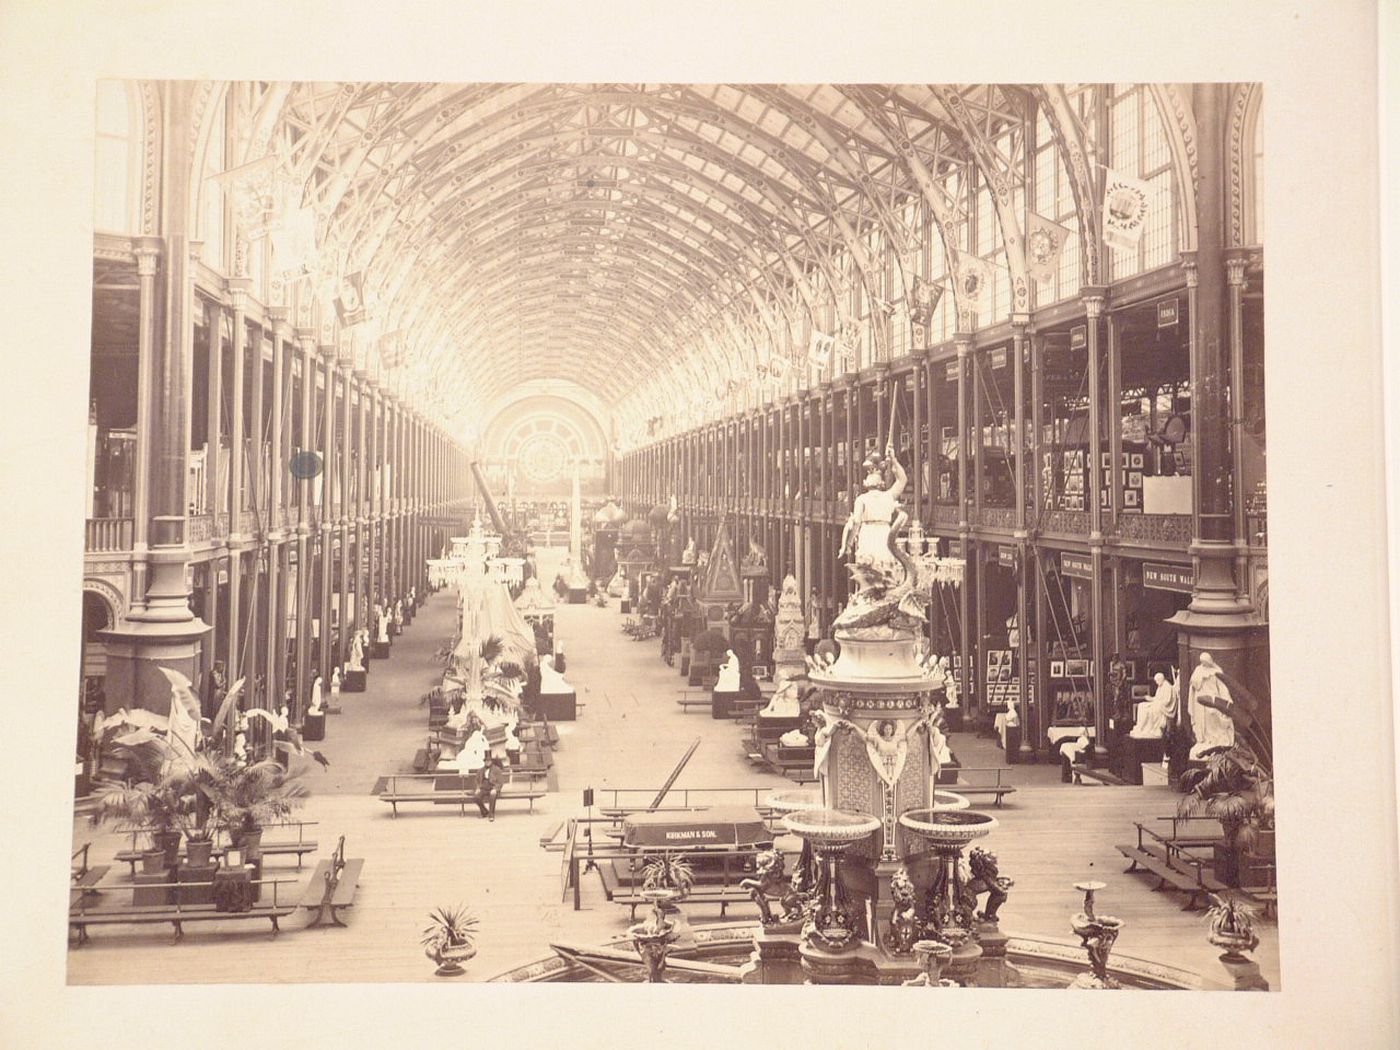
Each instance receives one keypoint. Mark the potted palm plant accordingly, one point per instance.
(1231, 925)
(1236, 789)
(450, 939)
(246, 798)
(154, 805)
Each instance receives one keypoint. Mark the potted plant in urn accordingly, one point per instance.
(1236, 789)
(450, 939)
(1231, 925)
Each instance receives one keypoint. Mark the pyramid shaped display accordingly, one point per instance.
(722, 574)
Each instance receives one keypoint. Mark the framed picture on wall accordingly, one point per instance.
(1141, 692)
(1106, 461)
(1134, 479)
(1057, 668)
(1077, 668)
(1131, 498)
(1135, 461)
(1125, 458)
(1131, 668)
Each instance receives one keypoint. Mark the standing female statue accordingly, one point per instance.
(876, 511)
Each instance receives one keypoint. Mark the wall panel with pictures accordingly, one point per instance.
(1002, 683)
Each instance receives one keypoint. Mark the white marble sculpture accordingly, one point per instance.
(1156, 714)
(335, 686)
(552, 682)
(471, 758)
(784, 702)
(317, 696)
(357, 653)
(794, 738)
(728, 681)
(383, 622)
(1208, 698)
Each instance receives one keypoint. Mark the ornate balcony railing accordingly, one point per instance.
(105, 535)
(945, 514)
(1065, 522)
(997, 517)
(1156, 528)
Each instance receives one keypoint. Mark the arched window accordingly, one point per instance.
(116, 204)
(1054, 200)
(211, 192)
(1138, 147)
(1255, 231)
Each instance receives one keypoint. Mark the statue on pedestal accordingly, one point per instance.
(728, 681)
(1207, 703)
(335, 686)
(551, 680)
(357, 654)
(316, 697)
(1154, 716)
(886, 577)
(688, 555)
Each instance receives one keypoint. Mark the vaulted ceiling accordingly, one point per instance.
(590, 233)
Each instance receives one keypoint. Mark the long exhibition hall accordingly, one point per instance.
(688, 533)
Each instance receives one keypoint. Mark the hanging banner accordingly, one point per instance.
(1045, 241)
(1125, 209)
(974, 283)
(924, 299)
(819, 350)
(1080, 566)
(1161, 577)
(350, 299)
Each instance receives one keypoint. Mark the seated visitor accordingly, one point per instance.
(489, 787)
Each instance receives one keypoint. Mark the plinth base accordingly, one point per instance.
(578, 595)
(354, 682)
(863, 964)
(379, 650)
(313, 726)
(558, 707)
(722, 705)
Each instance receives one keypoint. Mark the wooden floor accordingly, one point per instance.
(630, 733)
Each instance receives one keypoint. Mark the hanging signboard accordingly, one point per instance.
(1078, 337)
(951, 370)
(997, 358)
(1080, 566)
(1168, 313)
(1161, 577)
(1006, 556)
(955, 548)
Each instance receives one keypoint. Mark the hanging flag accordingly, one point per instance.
(974, 283)
(819, 350)
(1045, 241)
(924, 299)
(1125, 208)
(350, 299)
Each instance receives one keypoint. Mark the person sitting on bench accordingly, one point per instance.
(492, 780)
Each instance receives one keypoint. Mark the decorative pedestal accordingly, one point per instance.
(233, 889)
(578, 595)
(830, 833)
(313, 726)
(152, 888)
(353, 682)
(379, 650)
(722, 705)
(196, 873)
(558, 707)
(626, 607)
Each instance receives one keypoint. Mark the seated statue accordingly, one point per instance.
(794, 738)
(1156, 714)
(785, 702)
(551, 680)
(1208, 703)
(728, 681)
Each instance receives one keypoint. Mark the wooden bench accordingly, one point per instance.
(299, 847)
(80, 917)
(85, 877)
(621, 891)
(1173, 864)
(1102, 776)
(401, 788)
(333, 885)
(996, 788)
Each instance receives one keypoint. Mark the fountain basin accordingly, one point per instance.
(948, 827)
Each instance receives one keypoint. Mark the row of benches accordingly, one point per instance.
(332, 887)
(298, 847)
(1176, 855)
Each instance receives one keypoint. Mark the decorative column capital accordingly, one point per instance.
(1235, 266)
(196, 251)
(328, 353)
(1094, 298)
(1190, 268)
(278, 320)
(148, 252)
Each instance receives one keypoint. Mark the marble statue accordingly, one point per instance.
(814, 619)
(617, 586)
(317, 696)
(888, 748)
(335, 686)
(867, 531)
(552, 681)
(471, 758)
(1156, 714)
(794, 738)
(784, 702)
(383, 626)
(1074, 750)
(826, 727)
(728, 681)
(950, 682)
(688, 555)
(1207, 703)
(398, 613)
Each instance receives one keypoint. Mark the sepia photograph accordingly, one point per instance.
(454, 483)
(601, 513)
